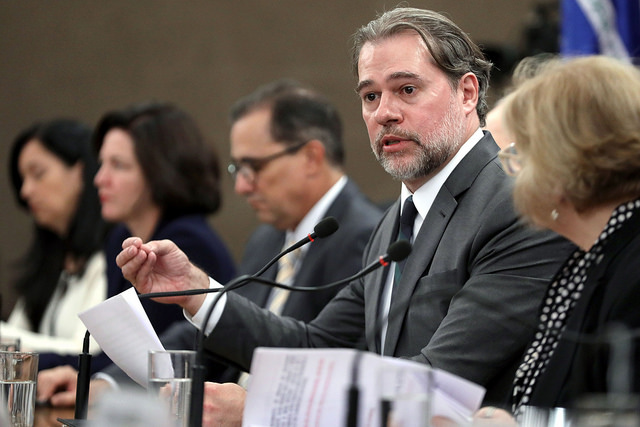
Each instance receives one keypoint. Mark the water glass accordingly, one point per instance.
(170, 381)
(18, 375)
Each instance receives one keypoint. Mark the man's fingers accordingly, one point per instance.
(132, 241)
(51, 380)
(133, 263)
(64, 398)
(128, 255)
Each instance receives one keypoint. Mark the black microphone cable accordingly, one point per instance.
(397, 251)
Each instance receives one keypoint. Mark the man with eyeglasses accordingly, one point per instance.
(287, 161)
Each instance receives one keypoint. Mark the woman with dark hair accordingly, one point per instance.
(52, 165)
(159, 179)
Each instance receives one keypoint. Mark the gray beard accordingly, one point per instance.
(426, 161)
(434, 149)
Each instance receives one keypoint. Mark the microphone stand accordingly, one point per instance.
(353, 394)
(397, 251)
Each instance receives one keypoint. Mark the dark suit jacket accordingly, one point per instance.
(469, 294)
(582, 360)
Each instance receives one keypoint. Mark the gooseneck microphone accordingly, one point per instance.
(324, 228)
(397, 251)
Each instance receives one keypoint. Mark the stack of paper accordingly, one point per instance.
(308, 387)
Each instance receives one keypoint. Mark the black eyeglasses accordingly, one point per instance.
(249, 167)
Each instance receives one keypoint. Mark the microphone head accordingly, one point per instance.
(326, 227)
(398, 250)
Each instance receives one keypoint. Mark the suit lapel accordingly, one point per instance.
(424, 248)
(431, 232)
(374, 283)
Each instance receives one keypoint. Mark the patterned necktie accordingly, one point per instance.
(286, 270)
(278, 296)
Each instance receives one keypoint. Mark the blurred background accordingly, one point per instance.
(81, 59)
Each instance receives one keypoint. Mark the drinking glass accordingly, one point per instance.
(170, 381)
(18, 374)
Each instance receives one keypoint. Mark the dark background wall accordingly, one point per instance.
(81, 59)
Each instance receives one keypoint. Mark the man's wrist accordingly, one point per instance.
(200, 280)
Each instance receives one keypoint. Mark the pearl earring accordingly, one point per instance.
(554, 214)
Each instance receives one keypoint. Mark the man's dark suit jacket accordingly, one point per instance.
(327, 260)
(469, 295)
(582, 361)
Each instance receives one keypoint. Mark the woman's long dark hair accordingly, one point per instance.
(40, 269)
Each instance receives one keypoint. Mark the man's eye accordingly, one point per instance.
(408, 90)
(369, 97)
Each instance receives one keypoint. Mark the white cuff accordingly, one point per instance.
(198, 319)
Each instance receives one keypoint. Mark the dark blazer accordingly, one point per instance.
(582, 360)
(469, 294)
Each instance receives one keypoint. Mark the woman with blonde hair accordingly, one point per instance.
(576, 161)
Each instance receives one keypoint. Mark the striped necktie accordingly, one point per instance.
(286, 271)
(278, 296)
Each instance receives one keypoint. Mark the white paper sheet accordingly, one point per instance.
(303, 387)
(124, 332)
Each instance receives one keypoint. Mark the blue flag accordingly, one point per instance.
(606, 27)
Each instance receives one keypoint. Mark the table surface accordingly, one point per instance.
(46, 416)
